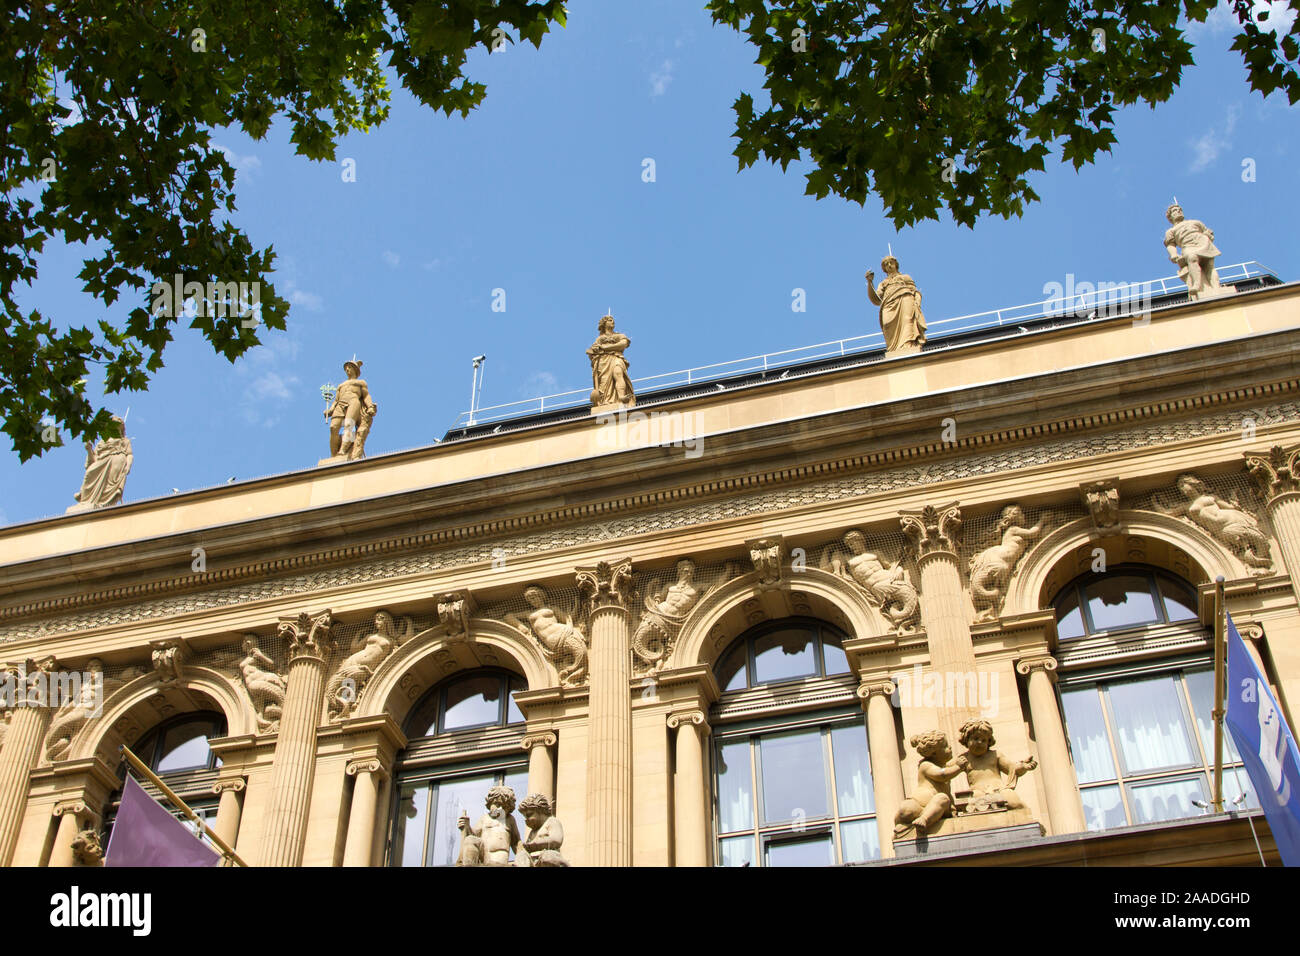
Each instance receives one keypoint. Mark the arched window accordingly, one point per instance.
(1141, 733)
(1124, 597)
(177, 751)
(464, 739)
(792, 773)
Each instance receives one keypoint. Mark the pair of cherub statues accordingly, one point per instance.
(991, 775)
(489, 841)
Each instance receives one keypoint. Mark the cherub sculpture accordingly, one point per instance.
(931, 800)
(545, 834)
(489, 842)
(990, 570)
(992, 776)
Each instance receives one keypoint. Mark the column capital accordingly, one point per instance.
(75, 807)
(371, 765)
(1045, 663)
(932, 528)
(883, 688)
(545, 738)
(695, 717)
(308, 634)
(1276, 471)
(605, 583)
(229, 783)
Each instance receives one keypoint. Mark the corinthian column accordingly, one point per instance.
(294, 762)
(609, 721)
(688, 789)
(1063, 803)
(1277, 475)
(22, 746)
(886, 768)
(945, 614)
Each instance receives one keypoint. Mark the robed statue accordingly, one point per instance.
(901, 319)
(107, 465)
(610, 384)
(1195, 261)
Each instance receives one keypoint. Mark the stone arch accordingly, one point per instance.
(1144, 537)
(431, 657)
(146, 701)
(741, 603)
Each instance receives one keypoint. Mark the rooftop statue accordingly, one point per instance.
(107, 465)
(351, 412)
(901, 319)
(610, 384)
(1196, 260)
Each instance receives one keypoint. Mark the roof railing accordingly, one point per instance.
(1088, 301)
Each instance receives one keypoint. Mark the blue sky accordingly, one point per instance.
(540, 193)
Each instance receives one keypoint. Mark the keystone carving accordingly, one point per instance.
(1101, 498)
(767, 555)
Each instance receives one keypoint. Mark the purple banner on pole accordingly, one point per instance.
(146, 834)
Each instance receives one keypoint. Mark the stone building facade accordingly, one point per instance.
(720, 650)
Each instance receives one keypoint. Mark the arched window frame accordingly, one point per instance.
(1076, 592)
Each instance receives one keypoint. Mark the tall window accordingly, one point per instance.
(1142, 737)
(473, 714)
(792, 788)
(177, 751)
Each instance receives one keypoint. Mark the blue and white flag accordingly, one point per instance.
(1267, 746)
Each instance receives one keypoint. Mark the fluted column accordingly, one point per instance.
(609, 723)
(22, 748)
(229, 809)
(1063, 803)
(1277, 475)
(541, 763)
(294, 761)
(690, 819)
(361, 819)
(886, 767)
(70, 814)
(945, 613)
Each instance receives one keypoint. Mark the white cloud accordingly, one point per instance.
(539, 384)
(660, 78)
(431, 265)
(301, 297)
(244, 165)
(392, 258)
(1222, 19)
(1214, 141)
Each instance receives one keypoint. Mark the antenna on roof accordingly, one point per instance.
(476, 386)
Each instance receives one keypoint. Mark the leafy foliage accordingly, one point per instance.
(108, 113)
(934, 103)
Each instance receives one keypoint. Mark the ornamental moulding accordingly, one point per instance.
(837, 480)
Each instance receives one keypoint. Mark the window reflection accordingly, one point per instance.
(1122, 597)
(783, 655)
(477, 699)
(785, 651)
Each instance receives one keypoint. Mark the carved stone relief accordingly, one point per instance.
(991, 569)
(1229, 522)
(888, 587)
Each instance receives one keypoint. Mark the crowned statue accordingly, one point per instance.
(1190, 244)
(901, 319)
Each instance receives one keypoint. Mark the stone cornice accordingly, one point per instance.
(848, 467)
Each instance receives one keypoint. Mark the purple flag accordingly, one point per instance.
(145, 834)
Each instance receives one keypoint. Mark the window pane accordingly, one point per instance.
(1162, 800)
(1200, 686)
(813, 850)
(1103, 808)
(833, 656)
(794, 776)
(513, 714)
(859, 840)
(408, 837)
(731, 672)
(472, 703)
(735, 785)
(783, 655)
(1120, 600)
(423, 721)
(1180, 603)
(737, 851)
(453, 796)
(1087, 729)
(1069, 619)
(185, 747)
(1149, 725)
(852, 770)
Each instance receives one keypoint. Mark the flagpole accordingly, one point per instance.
(141, 767)
(1220, 649)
